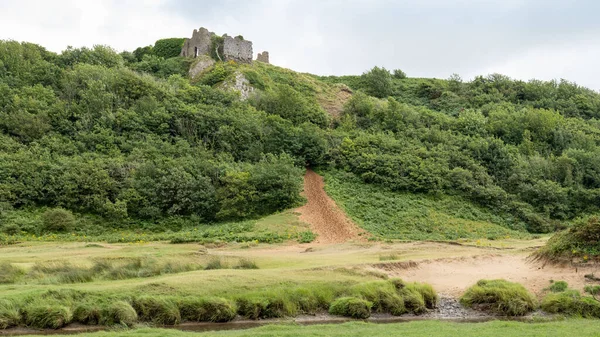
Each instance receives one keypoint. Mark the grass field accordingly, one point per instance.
(410, 216)
(574, 327)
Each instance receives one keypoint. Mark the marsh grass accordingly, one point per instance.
(10, 315)
(9, 273)
(207, 310)
(351, 307)
(244, 263)
(500, 296)
(159, 310)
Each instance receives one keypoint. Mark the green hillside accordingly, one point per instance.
(93, 141)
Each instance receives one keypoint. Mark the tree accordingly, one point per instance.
(378, 82)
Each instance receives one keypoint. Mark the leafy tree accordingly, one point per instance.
(378, 82)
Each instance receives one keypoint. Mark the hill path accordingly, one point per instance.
(326, 219)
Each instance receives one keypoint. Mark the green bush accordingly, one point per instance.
(47, 315)
(58, 220)
(399, 74)
(571, 303)
(351, 307)
(168, 48)
(306, 237)
(501, 296)
(378, 82)
(207, 310)
(251, 307)
(158, 310)
(10, 315)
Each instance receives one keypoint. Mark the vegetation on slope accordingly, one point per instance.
(128, 141)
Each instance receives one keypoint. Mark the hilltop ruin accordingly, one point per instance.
(223, 48)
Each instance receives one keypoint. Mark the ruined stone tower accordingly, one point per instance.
(263, 57)
(230, 49)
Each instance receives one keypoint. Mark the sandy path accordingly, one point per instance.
(454, 276)
(326, 219)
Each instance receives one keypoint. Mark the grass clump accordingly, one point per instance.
(158, 310)
(207, 310)
(382, 295)
(9, 314)
(571, 303)
(270, 304)
(558, 286)
(88, 313)
(500, 296)
(351, 307)
(215, 263)
(580, 243)
(246, 264)
(426, 291)
(118, 313)
(9, 273)
(390, 257)
(47, 315)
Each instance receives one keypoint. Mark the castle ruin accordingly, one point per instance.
(235, 49)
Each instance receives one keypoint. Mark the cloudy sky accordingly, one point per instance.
(524, 39)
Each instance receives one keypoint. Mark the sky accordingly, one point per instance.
(524, 39)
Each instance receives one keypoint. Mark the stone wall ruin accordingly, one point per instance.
(232, 49)
(263, 57)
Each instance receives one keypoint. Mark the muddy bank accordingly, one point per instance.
(449, 310)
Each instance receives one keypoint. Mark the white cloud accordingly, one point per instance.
(427, 38)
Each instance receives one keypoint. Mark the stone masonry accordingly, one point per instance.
(199, 44)
(237, 49)
(263, 57)
(233, 49)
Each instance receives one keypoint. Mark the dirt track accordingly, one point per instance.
(326, 219)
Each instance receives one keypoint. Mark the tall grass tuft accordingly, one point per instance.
(246, 264)
(382, 295)
(351, 307)
(118, 313)
(206, 310)
(158, 310)
(500, 296)
(9, 314)
(9, 273)
(47, 315)
(571, 303)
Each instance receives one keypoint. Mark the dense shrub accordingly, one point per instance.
(58, 220)
(378, 82)
(351, 307)
(168, 48)
(500, 296)
(558, 286)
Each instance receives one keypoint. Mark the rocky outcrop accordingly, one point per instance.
(263, 57)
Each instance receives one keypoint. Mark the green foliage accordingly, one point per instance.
(160, 311)
(207, 310)
(118, 313)
(578, 242)
(503, 297)
(571, 303)
(378, 82)
(45, 315)
(399, 74)
(10, 316)
(413, 216)
(9, 273)
(246, 264)
(167, 48)
(216, 47)
(306, 237)
(351, 307)
(58, 220)
(558, 286)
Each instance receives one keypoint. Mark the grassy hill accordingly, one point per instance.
(95, 142)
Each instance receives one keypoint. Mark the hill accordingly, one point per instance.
(93, 141)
